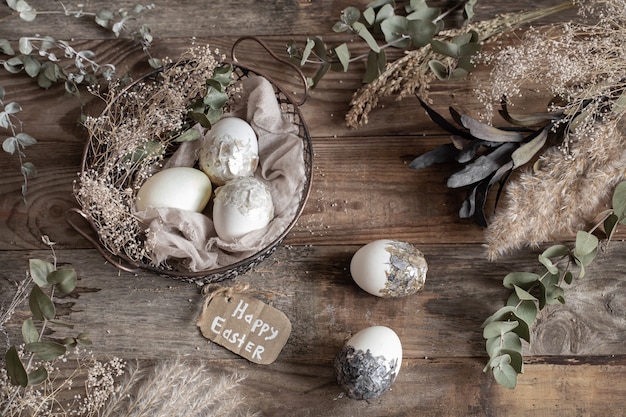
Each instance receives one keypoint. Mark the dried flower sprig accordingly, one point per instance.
(129, 139)
(531, 292)
(50, 61)
(580, 68)
(417, 69)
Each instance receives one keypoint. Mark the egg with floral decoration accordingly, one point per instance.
(229, 150)
(241, 206)
(389, 268)
(183, 188)
(369, 362)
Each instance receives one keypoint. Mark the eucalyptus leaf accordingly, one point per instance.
(9, 144)
(481, 168)
(24, 139)
(365, 34)
(610, 225)
(376, 62)
(40, 304)
(29, 331)
(25, 46)
(64, 279)
(343, 54)
(396, 31)
(37, 376)
(499, 328)
(586, 244)
(6, 48)
(15, 369)
(523, 294)
(350, 15)
(39, 271)
(28, 169)
(503, 314)
(47, 350)
(524, 309)
(619, 201)
(188, 135)
(439, 69)
(505, 374)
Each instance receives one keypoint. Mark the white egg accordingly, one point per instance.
(241, 206)
(180, 187)
(229, 150)
(389, 268)
(369, 362)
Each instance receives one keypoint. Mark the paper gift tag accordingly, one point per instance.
(244, 325)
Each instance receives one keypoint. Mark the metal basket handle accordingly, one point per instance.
(105, 254)
(269, 50)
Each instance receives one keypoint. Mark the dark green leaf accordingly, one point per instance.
(223, 74)
(365, 34)
(200, 118)
(619, 201)
(62, 323)
(440, 70)
(46, 351)
(610, 225)
(188, 135)
(37, 376)
(376, 62)
(343, 54)
(29, 331)
(64, 279)
(39, 271)
(420, 32)
(568, 277)
(215, 99)
(40, 304)
(83, 339)
(15, 369)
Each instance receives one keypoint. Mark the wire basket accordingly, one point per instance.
(291, 110)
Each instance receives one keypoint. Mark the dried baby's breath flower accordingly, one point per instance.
(582, 67)
(129, 140)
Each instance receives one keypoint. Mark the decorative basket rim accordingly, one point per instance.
(241, 266)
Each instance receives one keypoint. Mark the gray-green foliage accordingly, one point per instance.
(505, 329)
(50, 61)
(382, 25)
(47, 280)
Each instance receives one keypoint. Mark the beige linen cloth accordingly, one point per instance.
(180, 236)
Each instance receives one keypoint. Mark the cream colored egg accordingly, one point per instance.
(241, 206)
(389, 268)
(369, 362)
(229, 150)
(180, 187)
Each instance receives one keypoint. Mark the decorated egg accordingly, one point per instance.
(389, 268)
(179, 187)
(369, 362)
(229, 150)
(241, 206)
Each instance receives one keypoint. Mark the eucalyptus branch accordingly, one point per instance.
(506, 328)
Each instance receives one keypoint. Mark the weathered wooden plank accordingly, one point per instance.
(149, 317)
(224, 18)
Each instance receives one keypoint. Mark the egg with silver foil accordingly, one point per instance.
(241, 206)
(229, 150)
(369, 362)
(389, 268)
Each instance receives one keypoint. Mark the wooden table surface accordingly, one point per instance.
(362, 191)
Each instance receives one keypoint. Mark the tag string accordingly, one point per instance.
(237, 288)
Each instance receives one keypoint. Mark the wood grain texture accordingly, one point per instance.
(362, 190)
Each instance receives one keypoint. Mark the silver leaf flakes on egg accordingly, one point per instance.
(389, 268)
